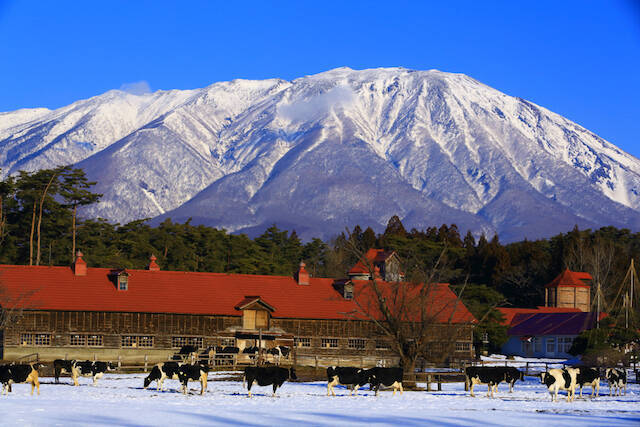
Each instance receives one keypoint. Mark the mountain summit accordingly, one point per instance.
(335, 149)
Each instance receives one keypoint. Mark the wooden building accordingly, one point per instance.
(83, 313)
(571, 289)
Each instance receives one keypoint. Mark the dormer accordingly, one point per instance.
(344, 287)
(120, 278)
(255, 312)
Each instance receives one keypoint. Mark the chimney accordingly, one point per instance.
(79, 266)
(303, 275)
(376, 272)
(152, 264)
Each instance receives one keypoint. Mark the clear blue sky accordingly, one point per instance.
(580, 59)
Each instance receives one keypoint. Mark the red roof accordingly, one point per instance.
(553, 323)
(570, 278)
(373, 256)
(58, 288)
(510, 313)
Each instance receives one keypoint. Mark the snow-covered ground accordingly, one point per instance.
(121, 400)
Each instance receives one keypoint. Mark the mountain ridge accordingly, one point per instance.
(430, 146)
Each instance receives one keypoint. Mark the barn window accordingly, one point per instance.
(302, 342)
(356, 343)
(129, 341)
(145, 341)
(262, 319)
(329, 342)
(78, 340)
(26, 339)
(94, 340)
(227, 342)
(537, 345)
(255, 319)
(551, 345)
(463, 346)
(123, 282)
(179, 342)
(382, 345)
(564, 344)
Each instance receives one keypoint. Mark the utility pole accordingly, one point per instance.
(598, 306)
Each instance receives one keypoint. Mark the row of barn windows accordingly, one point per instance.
(553, 345)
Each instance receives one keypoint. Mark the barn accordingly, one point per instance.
(79, 312)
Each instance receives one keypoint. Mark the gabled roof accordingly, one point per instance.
(552, 323)
(570, 278)
(509, 313)
(58, 288)
(373, 256)
(251, 300)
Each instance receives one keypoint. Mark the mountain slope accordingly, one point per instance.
(331, 150)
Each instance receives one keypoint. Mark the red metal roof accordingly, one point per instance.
(373, 256)
(509, 313)
(570, 278)
(58, 288)
(553, 323)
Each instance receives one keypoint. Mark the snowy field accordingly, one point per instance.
(121, 400)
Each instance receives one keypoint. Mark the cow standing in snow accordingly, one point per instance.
(617, 379)
(588, 376)
(348, 376)
(560, 379)
(161, 372)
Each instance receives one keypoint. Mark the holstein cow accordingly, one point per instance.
(279, 351)
(617, 379)
(268, 375)
(161, 372)
(489, 375)
(195, 372)
(389, 377)
(588, 376)
(560, 379)
(16, 374)
(63, 367)
(88, 368)
(511, 375)
(348, 376)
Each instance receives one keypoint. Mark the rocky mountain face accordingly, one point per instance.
(331, 150)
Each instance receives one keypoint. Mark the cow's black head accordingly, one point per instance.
(542, 375)
(147, 381)
(292, 374)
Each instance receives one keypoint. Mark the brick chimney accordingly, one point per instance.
(79, 266)
(302, 275)
(152, 264)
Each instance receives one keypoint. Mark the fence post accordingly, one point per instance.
(119, 362)
(146, 359)
(429, 382)
(439, 382)
(95, 357)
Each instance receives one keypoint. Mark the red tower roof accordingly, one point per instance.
(570, 278)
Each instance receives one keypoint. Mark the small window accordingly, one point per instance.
(382, 345)
(551, 345)
(356, 343)
(94, 340)
(227, 342)
(123, 282)
(302, 342)
(26, 339)
(179, 342)
(78, 340)
(537, 343)
(463, 346)
(129, 341)
(329, 342)
(145, 341)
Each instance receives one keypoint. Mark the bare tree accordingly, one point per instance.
(414, 316)
(12, 306)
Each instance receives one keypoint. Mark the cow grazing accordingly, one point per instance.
(617, 379)
(268, 375)
(16, 374)
(161, 372)
(588, 376)
(489, 375)
(560, 379)
(87, 368)
(195, 372)
(347, 376)
(62, 367)
(388, 377)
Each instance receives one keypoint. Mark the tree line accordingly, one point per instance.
(40, 225)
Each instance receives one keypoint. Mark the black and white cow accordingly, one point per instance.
(388, 377)
(87, 368)
(195, 372)
(347, 376)
(16, 374)
(588, 376)
(161, 372)
(560, 379)
(268, 375)
(511, 375)
(617, 379)
(61, 366)
(278, 352)
(251, 350)
(489, 375)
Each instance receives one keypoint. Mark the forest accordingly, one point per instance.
(41, 223)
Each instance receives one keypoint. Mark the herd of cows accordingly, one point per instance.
(566, 379)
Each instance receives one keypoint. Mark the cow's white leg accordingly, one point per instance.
(401, 390)
(331, 384)
(97, 376)
(471, 388)
(203, 383)
(355, 389)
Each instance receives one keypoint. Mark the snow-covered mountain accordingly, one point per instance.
(335, 149)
